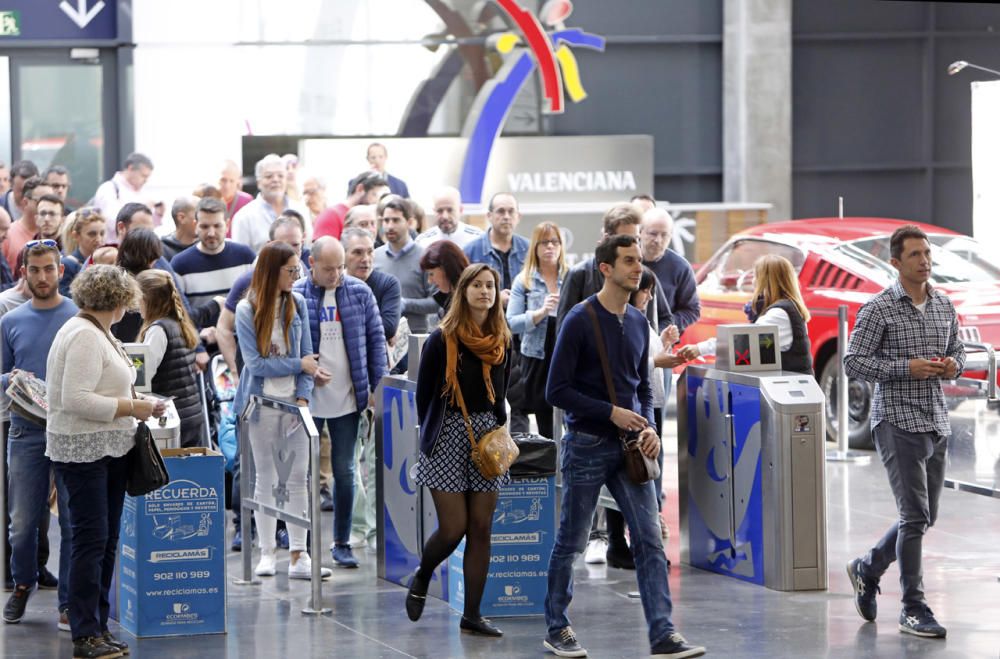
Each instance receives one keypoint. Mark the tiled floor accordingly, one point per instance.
(734, 619)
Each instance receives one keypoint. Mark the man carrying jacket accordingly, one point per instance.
(349, 340)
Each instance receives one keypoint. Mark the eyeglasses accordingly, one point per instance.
(551, 242)
(49, 214)
(45, 242)
(293, 270)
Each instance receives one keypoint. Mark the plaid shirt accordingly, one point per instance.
(888, 333)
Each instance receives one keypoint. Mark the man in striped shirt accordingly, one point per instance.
(905, 340)
(209, 267)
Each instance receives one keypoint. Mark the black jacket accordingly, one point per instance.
(178, 377)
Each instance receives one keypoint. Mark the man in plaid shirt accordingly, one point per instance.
(905, 340)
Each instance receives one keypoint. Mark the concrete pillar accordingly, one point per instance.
(757, 103)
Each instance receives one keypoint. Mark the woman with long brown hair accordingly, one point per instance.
(172, 338)
(472, 342)
(279, 362)
(776, 301)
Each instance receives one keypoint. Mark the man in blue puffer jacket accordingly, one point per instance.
(347, 335)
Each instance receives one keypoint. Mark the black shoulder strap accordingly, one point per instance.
(602, 352)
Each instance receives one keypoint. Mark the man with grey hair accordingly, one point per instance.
(362, 216)
(12, 199)
(124, 187)
(347, 335)
(448, 212)
(250, 225)
(184, 234)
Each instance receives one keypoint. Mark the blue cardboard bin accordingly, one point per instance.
(524, 526)
(171, 551)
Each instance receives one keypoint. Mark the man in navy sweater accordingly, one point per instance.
(593, 454)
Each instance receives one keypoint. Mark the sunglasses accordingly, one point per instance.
(46, 242)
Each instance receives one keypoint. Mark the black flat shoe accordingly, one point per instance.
(482, 626)
(415, 600)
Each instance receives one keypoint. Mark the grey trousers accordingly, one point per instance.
(914, 463)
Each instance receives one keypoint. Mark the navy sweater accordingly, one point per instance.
(676, 279)
(576, 380)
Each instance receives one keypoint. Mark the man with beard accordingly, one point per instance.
(448, 211)
(251, 223)
(25, 335)
(400, 257)
(605, 400)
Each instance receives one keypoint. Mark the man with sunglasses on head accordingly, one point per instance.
(25, 336)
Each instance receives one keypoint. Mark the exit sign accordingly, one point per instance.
(10, 23)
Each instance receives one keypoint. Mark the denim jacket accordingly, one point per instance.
(520, 307)
(257, 367)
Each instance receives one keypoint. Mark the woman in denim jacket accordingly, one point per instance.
(531, 313)
(278, 363)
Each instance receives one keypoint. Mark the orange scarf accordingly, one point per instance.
(489, 349)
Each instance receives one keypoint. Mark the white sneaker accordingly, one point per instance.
(373, 544)
(357, 540)
(302, 569)
(266, 566)
(597, 552)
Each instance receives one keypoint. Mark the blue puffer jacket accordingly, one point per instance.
(364, 337)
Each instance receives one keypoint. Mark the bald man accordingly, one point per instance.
(231, 187)
(448, 211)
(347, 335)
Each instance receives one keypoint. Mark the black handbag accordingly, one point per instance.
(146, 470)
(640, 467)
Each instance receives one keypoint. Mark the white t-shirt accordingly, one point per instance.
(284, 386)
(337, 397)
(773, 316)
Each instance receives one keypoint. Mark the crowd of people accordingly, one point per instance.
(312, 303)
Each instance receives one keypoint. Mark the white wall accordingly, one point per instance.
(208, 72)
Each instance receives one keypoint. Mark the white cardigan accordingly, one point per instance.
(86, 376)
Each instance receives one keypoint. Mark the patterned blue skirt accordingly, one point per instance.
(450, 468)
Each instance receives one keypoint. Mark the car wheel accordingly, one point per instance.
(859, 396)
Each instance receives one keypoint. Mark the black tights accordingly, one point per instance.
(468, 514)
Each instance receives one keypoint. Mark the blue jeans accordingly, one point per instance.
(28, 499)
(588, 462)
(96, 495)
(343, 431)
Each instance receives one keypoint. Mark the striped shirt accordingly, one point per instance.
(888, 333)
(204, 276)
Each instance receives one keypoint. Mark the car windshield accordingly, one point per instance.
(955, 259)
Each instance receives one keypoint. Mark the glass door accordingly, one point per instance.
(64, 112)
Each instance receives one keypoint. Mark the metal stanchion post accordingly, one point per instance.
(246, 478)
(843, 453)
(315, 541)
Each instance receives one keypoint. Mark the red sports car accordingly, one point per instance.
(846, 261)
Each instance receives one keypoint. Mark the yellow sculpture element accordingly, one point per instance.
(571, 73)
(507, 41)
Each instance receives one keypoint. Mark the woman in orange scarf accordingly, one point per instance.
(464, 363)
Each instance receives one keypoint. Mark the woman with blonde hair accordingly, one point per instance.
(531, 313)
(172, 339)
(776, 301)
(472, 343)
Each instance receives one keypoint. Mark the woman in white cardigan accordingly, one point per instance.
(90, 429)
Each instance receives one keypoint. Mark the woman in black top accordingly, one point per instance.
(444, 262)
(472, 345)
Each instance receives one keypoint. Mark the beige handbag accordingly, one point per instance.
(495, 452)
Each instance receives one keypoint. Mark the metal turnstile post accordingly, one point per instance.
(843, 453)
